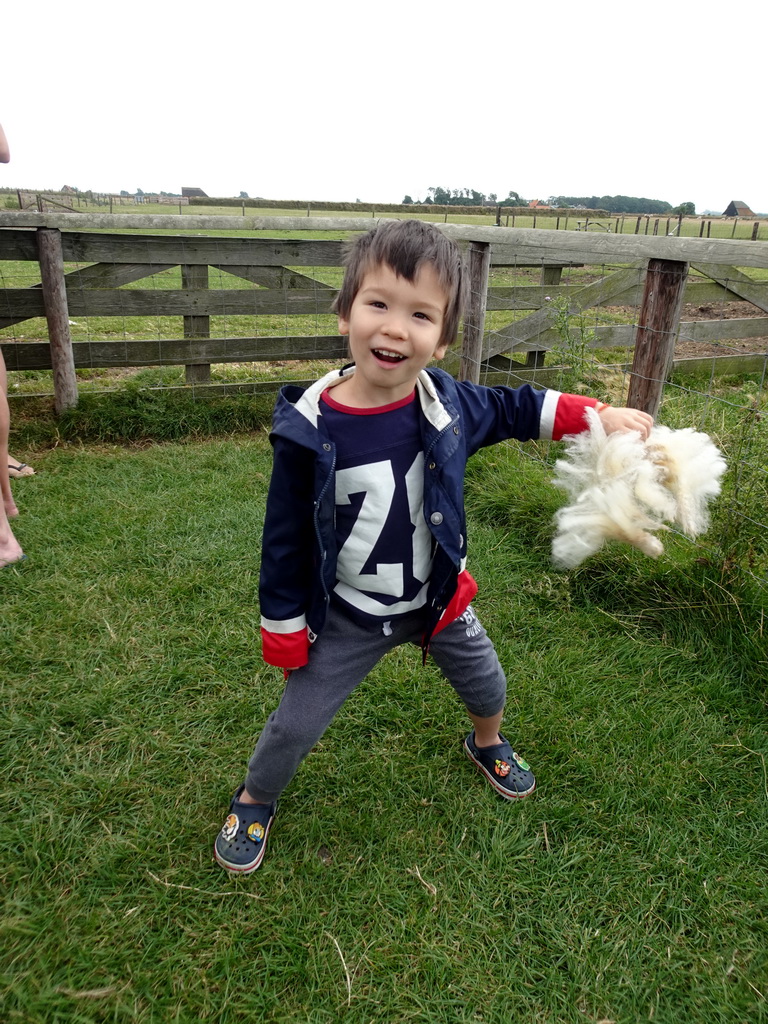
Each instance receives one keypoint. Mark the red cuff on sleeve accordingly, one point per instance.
(569, 415)
(285, 650)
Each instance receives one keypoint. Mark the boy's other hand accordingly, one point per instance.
(625, 419)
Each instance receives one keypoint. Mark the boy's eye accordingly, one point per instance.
(378, 304)
(423, 316)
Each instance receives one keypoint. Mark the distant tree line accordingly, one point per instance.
(141, 192)
(438, 196)
(613, 204)
(621, 204)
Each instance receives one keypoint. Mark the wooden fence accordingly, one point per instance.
(651, 272)
(53, 201)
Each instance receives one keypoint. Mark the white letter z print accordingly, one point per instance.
(376, 480)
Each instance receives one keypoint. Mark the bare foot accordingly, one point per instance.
(10, 549)
(10, 509)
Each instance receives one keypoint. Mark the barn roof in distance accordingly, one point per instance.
(192, 192)
(737, 209)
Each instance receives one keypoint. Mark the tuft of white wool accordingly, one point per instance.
(623, 488)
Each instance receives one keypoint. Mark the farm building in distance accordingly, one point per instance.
(737, 209)
(188, 192)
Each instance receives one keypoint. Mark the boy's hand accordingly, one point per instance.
(625, 419)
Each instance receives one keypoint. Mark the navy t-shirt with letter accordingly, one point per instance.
(384, 544)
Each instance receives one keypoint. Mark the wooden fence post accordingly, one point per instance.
(195, 276)
(656, 333)
(49, 254)
(479, 262)
(549, 276)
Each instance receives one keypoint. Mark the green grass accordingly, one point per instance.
(630, 887)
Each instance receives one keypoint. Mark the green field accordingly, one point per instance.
(630, 887)
(572, 220)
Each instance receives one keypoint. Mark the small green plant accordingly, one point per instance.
(575, 341)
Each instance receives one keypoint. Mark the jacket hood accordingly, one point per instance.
(296, 401)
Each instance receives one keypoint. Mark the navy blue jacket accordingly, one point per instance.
(298, 560)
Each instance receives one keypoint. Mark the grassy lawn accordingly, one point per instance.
(630, 887)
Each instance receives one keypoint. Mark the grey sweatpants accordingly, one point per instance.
(339, 660)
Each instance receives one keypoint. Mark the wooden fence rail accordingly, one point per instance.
(631, 270)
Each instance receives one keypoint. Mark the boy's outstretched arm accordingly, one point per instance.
(625, 419)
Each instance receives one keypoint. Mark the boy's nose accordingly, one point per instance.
(395, 326)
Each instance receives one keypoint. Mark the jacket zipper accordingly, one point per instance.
(316, 520)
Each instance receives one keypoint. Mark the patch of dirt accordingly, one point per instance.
(717, 311)
(721, 311)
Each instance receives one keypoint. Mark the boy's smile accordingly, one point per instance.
(395, 328)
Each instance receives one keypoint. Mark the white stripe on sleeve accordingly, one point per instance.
(548, 412)
(284, 625)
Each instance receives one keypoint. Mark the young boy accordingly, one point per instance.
(364, 543)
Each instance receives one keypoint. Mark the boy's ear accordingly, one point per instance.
(441, 349)
(343, 325)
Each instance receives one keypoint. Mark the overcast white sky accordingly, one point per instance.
(342, 100)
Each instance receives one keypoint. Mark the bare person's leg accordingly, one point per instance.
(10, 549)
(486, 729)
(7, 461)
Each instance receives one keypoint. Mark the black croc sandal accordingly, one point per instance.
(242, 842)
(506, 771)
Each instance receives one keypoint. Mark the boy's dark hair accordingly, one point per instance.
(405, 246)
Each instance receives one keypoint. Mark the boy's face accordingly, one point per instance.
(394, 330)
